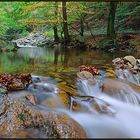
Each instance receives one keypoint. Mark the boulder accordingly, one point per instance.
(15, 114)
(131, 60)
(16, 85)
(15, 81)
(84, 75)
(69, 90)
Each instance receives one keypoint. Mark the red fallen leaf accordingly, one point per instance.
(13, 81)
(91, 69)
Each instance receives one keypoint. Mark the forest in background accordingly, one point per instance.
(106, 25)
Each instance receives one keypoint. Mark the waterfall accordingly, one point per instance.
(124, 124)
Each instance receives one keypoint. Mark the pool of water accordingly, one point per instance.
(51, 61)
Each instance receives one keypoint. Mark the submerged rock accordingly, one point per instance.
(43, 87)
(16, 115)
(32, 98)
(59, 100)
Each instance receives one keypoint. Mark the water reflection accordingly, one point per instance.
(41, 60)
(35, 53)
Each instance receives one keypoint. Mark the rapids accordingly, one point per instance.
(125, 122)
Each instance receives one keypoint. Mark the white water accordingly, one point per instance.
(126, 74)
(124, 124)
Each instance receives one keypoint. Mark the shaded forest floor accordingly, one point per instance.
(126, 41)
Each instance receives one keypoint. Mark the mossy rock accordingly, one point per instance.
(65, 98)
(67, 89)
(110, 73)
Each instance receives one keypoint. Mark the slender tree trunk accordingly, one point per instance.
(65, 25)
(111, 19)
(56, 37)
(82, 25)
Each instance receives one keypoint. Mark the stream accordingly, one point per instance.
(58, 67)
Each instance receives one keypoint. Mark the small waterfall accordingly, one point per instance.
(88, 89)
(127, 75)
(130, 97)
(124, 124)
(126, 94)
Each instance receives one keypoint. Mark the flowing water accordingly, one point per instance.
(58, 68)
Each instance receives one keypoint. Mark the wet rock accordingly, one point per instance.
(53, 102)
(118, 63)
(67, 89)
(32, 99)
(91, 105)
(84, 75)
(15, 81)
(110, 73)
(36, 79)
(91, 82)
(19, 94)
(16, 85)
(126, 62)
(16, 134)
(112, 86)
(16, 115)
(116, 60)
(65, 98)
(59, 100)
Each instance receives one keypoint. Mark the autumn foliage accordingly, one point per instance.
(9, 80)
(91, 69)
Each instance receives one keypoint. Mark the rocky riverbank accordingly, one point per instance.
(33, 40)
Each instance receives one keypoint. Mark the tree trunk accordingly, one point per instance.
(111, 19)
(56, 37)
(65, 25)
(82, 25)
